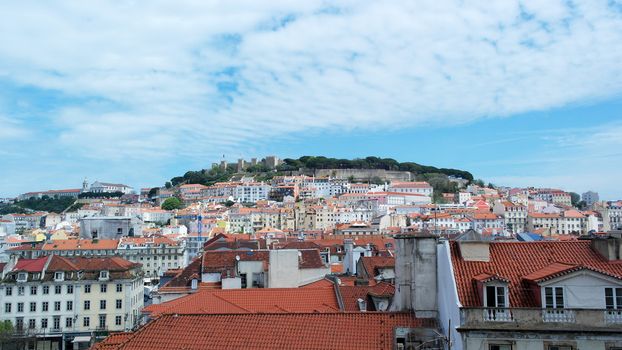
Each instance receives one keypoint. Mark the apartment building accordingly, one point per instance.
(155, 254)
(61, 299)
(514, 215)
(531, 295)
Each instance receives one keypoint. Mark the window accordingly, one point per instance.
(243, 280)
(33, 307)
(59, 276)
(103, 275)
(119, 304)
(613, 298)
(69, 289)
(69, 322)
(33, 290)
(87, 305)
(32, 323)
(57, 289)
(87, 288)
(560, 347)
(119, 287)
(56, 322)
(22, 277)
(86, 321)
(103, 288)
(102, 321)
(19, 323)
(554, 297)
(44, 323)
(69, 305)
(495, 296)
(45, 306)
(7, 308)
(20, 290)
(117, 320)
(20, 307)
(46, 289)
(57, 306)
(9, 291)
(102, 304)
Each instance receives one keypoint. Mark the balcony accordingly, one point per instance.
(541, 319)
(613, 317)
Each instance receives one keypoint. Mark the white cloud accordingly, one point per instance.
(11, 129)
(294, 66)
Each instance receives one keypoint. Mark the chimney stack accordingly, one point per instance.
(349, 265)
(415, 275)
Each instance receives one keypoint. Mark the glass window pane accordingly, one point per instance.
(548, 292)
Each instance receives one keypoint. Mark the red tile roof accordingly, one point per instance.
(515, 261)
(371, 263)
(254, 300)
(272, 331)
(351, 294)
(31, 265)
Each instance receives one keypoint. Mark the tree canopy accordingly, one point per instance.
(172, 203)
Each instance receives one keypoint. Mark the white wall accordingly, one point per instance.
(448, 303)
(583, 290)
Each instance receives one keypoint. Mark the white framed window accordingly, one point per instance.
(554, 297)
(103, 275)
(22, 277)
(59, 276)
(613, 298)
(495, 296)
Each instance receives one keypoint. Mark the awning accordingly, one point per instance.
(82, 339)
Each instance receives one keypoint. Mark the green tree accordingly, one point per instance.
(229, 203)
(168, 184)
(575, 198)
(6, 330)
(171, 203)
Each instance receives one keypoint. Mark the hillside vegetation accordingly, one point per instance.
(437, 177)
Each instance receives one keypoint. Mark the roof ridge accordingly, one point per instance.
(230, 302)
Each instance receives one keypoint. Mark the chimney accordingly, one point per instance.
(610, 248)
(348, 260)
(415, 275)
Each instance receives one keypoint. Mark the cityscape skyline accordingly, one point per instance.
(516, 93)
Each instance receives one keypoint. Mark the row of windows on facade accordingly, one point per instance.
(45, 305)
(496, 296)
(69, 322)
(21, 290)
(59, 275)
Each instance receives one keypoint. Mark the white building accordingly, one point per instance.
(62, 299)
(104, 187)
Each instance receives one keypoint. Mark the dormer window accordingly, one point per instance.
(103, 275)
(613, 298)
(22, 277)
(496, 297)
(59, 276)
(554, 297)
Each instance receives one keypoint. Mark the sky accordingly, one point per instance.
(520, 93)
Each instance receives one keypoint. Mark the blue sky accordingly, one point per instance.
(517, 92)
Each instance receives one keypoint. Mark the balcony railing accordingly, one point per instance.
(537, 318)
(559, 315)
(613, 317)
(498, 315)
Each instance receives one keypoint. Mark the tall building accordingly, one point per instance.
(590, 197)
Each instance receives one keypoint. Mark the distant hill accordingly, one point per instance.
(436, 176)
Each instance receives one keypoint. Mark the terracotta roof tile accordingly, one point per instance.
(516, 261)
(253, 300)
(273, 331)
